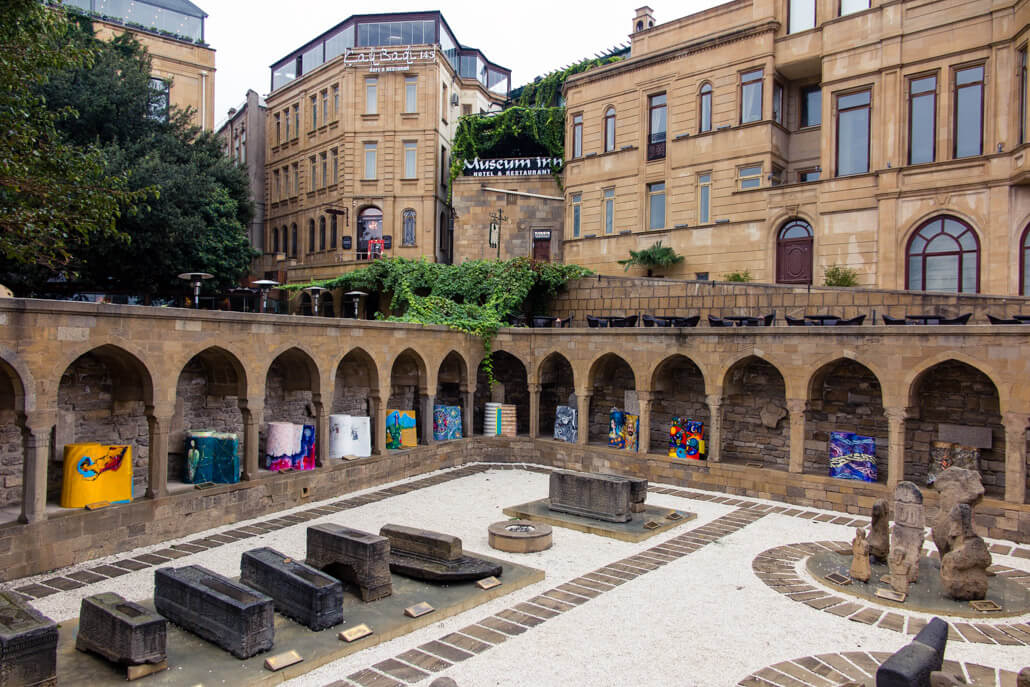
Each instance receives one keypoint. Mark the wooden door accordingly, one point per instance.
(794, 261)
(542, 250)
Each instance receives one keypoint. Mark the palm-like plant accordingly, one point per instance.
(655, 256)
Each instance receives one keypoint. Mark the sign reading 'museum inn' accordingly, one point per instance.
(511, 166)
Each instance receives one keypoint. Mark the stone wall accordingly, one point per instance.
(12, 454)
(354, 384)
(679, 391)
(284, 402)
(612, 382)
(754, 423)
(556, 389)
(510, 374)
(197, 409)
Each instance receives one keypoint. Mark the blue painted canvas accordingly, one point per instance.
(852, 456)
(446, 422)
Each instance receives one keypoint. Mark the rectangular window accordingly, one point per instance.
(443, 103)
(657, 125)
(370, 160)
(411, 94)
(336, 102)
(776, 178)
(278, 138)
(334, 164)
(286, 116)
(445, 167)
(704, 198)
(808, 175)
(853, 133)
(656, 205)
(332, 232)
(851, 6)
(1021, 59)
(811, 106)
(243, 148)
(314, 112)
(325, 107)
(410, 159)
(296, 178)
(276, 189)
(577, 199)
(371, 99)
(922, 120)
(466, 109)
(801, 15)
(608, 206)
(286, 182)
(323, 158)
(751, 96)
(969, 111)
(777, 103)
(750, 177)
(296, 121)
(314, 173)
(577, 136)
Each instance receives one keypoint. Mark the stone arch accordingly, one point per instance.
(292, 391)
(721, 376)
(512, 387)
(12, 440)
(611, 383)
(677, 390)
(452, 386)
(917, 371)
(409, 385)
(557, 381)
(356, 381)
(755, 428)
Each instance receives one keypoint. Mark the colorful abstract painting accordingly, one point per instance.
(96, 472)
(852, 456)
(686, 439)
(617, 429)
(400, 429)
(290, 447)
(212, 457)
(566, 424)
(446, 423)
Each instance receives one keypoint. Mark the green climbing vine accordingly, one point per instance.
(546, 91)
(476, 297)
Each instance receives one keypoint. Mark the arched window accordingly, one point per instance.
(275, 239)
(704, 115)
(944, 255)
(1024, 263)
(311, 236)
(794, 253)
(609, 129)
(321, 233)
(408, 237)
(293, 240)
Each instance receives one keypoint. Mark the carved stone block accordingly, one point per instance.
(433, 556)
(913, 664)
(28, 644)
(299, 591)
(637, 492)
(352, 556)
(121, 631)
(602, 497)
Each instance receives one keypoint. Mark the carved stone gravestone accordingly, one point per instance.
(121, 631)
(433, 556)
(956, 485)
(860, 569)
(913, 664)
(28, 644)
(906, 537)
(299, 591)
(353, 556)
(602, 497)
(879, 531)
(964, 567)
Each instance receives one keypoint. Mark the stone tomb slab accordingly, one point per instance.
(631, 531)
(192, 660)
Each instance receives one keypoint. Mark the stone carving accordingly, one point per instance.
(913, 664)
(433, 556)
(352, 556)
(28, 644)
(879, 531)
(964, 567)
(299, 591)
(121, 631)
(906, 537)
(225, 613)
(860, 569)
(771, 415)
(637, 492)
(956, 485)
(602, 497)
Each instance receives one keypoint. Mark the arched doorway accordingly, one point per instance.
(1024, 263)
(511, 386)
(678, 391)
(557, 388)
(613, 385)
(943, 255)
(794, 253)
(452, 387)
(369, 228)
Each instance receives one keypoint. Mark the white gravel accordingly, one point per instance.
(704, 619)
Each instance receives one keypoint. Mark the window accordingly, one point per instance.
(811, 106)
(371, 99)
(445, 167)
(275, 239)
(608, 208)
(776, 178)
(336, 102)
(922, 120)
(243, 148)
(704, 198)
(577, 136)
(334, 164)
(286, 116)
(969, 111)
(293, 240)
(466, 109)
(656, 127)
(751, 96)
(296, 121)
(808, 174)
(311, 236)
(408, 222)
(800, 15)
(332, 232)
(851, 6)
(704, 116)
(1024, 264)
(314, 175)
(160, 93)
(777, 103)
(323, 158)
(411, 94)
(278, 139)
(410, 155)
(296, 178)
(321, 233)
(370, 160)
(325, 107)
(853, 133)
(1021, 60)
(609, 129)
(656, 205)
(443, 103)
(314, 112)
(276, 190)
(577, 199)
(750, 177)
(944, 255)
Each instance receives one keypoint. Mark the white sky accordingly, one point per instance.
(530, 37)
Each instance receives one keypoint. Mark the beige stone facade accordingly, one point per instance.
(243, 139)
(895, 121)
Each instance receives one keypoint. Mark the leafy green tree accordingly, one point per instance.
(656, 256)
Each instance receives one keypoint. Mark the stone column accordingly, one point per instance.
(714, 427)
(36, 436)
(425, 411)
(321, 433)
(468, 411)
(377, 413)
(253, 413)
(1015, 456)
(583, 410)
(534, 411)
(644, 431)
(895, 445)
(159, 420)
(796, 409)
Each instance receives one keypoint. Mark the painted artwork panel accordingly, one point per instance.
(632, 431)
(289, 446)
(400, 429)
(361, 436)
(96, 472)
(686, 439)
(340, 443)
(446, 422)
(852, 456)
(566, 424)
(617, 429)
(212, 457)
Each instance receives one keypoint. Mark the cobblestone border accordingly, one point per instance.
(826, 670)
(777, 568)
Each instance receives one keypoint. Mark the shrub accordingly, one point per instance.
(742, 276)
(839, 275)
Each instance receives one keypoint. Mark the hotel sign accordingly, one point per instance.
(396, 59)
(511, 166)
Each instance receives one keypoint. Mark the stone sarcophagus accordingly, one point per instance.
(601, 497)
(637, 492)
(433, 556)
(352, 556)
(121, 631)
(28, 644)
(299, 591)
(225, 613)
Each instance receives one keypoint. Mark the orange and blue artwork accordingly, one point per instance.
(400, 429)
(686, 439)
(96, 472)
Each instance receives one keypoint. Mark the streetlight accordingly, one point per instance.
(315, 292)
(196, 279)
(265, 285)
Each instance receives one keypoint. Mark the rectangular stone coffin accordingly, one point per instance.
(225, 613)
(426, 543)
(637, 492)
(602, 497)
(301, 592)
(352, 556)
(121, 631)
(28, 644)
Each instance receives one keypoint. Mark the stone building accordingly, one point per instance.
(360, 124)
(784, 136)
(249, 151)
(172, 31)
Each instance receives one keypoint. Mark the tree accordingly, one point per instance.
(656, 256)
(53, 194)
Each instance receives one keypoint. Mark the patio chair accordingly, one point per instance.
(1001, 320)
(768, 320)
(686, 321)
(961, 319)
(795, 322)
(542, 322)
(630, 321)
(893, 320)
(650, 321)
(567, 322)
(596, 321)
(714, 321)
(852, 322)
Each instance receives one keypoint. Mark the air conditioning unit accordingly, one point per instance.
(454, 99)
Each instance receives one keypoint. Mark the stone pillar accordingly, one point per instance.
(468, 411)
(1015, 456)
(796, 409)
(377, 412)
(714, 427)
(321, 433)
(644, 431)
(159, 421)
(425, 419)
(253, 413)
(534, 411)
(895, 445)
(583, 410)
(37, 453)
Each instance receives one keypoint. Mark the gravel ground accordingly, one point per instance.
(704, 619)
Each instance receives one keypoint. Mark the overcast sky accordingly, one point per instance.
(530, 37)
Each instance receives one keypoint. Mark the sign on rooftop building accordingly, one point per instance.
(391, 59)
(511, 166)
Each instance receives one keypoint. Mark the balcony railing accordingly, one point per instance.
(656, 150)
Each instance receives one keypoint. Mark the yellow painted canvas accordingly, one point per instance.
(96, 472)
